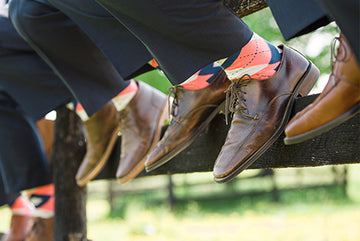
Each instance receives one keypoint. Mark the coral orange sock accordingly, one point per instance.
(22, 206)
(125, 96)
(203, 77)
(120, 101)
(153, 63)
(258, 58)
(80, 111)
(44, 200)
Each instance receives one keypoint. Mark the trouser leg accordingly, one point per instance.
(90, 76)
(23, 163)
(6, 198)
(121, 47)
(183, 36)
(25, 76)
(347, 16)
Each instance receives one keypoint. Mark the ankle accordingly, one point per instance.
(44, 200)
(125, 96)
(258, 58)
(22, 207)
(203, 77)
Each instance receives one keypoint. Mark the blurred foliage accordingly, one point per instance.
(156, 79)
(263, 23)
(307, 213)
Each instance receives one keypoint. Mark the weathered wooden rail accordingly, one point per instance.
(340, 146)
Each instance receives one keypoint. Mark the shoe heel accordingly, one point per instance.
(309, 80)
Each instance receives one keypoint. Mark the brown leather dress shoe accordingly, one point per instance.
(339, 101)
(261, 110)
(141, 122)
(47, 131)
(19, 228)
(101, 132)
(42, 230)
(192, 111)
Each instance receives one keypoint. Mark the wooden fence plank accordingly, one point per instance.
(70, 201)
(243, 8)
(338, 146)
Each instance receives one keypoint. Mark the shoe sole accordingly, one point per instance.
(303, 86)
(184, 145)
(83, 181)
(141, 165)
(324, 128)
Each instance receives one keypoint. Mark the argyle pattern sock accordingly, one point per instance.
(153, 63)
(44, 200)
(22, 206)
(125, 96)
(203, 77)
(258, 58)
(119, 101)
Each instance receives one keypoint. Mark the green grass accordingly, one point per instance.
(302, 214)
(313, 213)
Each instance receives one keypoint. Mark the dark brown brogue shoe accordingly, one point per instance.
(20, 226)
(42, 230)
(261, 110)
(191, 112)
(141, 123)
(101, 132)
(338, 102)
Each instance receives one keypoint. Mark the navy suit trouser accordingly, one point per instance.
(296, 18)
(93, 64)
(26, 83)
(182, 44)
(33, 87)
(7, 198)
(347, 16)
(23, 164)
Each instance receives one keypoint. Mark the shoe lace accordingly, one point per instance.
(334, 55)
(172, 104)
(235, 98)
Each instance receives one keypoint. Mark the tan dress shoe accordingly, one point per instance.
(192, 111)
(101, 132)
(339, 101)
(47, 132)
(261, 110)
(141, 122)
(19, 228)
(42, 230)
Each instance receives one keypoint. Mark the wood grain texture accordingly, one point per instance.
(243, 8)
(338, 146)
(70, 201)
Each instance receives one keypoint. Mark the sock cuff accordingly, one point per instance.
(203, 77)
(125, 96)
(80, 111)
(22, 206)
(131, 88)
(43, 199)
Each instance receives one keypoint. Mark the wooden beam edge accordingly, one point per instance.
(338, 146)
